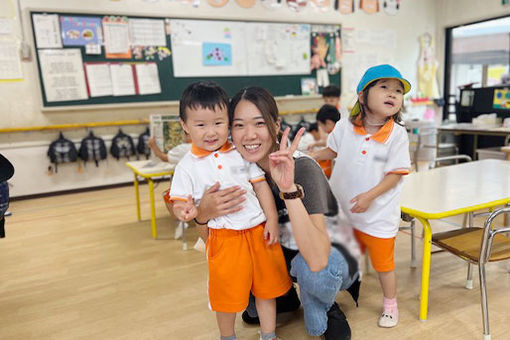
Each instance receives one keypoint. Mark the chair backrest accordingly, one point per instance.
(455, 158)
(490, 232)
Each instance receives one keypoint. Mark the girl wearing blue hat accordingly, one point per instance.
(371, 149)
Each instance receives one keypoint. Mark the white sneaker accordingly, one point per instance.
(179, 229)
(388, 320)
(199, 245)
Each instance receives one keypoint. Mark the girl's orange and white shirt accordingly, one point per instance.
(362, 161)
(199, 169)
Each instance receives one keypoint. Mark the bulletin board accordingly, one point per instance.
(157, 61)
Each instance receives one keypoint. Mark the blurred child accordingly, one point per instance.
(331, 95)
(173, 156)
(327, 117)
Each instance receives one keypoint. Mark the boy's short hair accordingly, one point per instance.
(331, 91)
(328, 112)
(202, 94)
(313, 127)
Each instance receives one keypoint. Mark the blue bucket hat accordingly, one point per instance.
(375, 73)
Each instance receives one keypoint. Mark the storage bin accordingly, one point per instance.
(491, 153)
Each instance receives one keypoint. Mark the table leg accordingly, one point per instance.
(425, 272)
(475, 146)
(153, 209)
(137, 195)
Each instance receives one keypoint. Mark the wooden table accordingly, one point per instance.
(448, 191)
(149, 169)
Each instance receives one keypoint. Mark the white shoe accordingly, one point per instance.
(388, 320)
(199, 245)
(178, 230)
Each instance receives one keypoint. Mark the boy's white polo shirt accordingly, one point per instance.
(200, 169)
(362, 162)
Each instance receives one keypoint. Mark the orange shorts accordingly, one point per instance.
(240, 261)
(326, 166)
(380, 250)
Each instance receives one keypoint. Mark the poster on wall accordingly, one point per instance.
(123, 81)
(116, 37)
(147, 78)
(10, 63)
(47, 30)
(278, 49)
(501, 99)
(192, 39)
(62, 74)
(99, 81)
(80, 31)
(147, 32)
(216, 54)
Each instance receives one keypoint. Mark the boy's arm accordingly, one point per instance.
(266, 200)
(363, 200)
(316, 144)
(185, 210)
(323, 154)
(157, 151)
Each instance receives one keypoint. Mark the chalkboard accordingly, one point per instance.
(171, 87)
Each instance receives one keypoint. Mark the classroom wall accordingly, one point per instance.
(20, 102)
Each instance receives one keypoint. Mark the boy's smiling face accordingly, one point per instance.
(207, 128)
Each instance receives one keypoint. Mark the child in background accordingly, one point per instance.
(331, 95)
(173, 156)
(371, 151)
(327, 117)
(312, 135)
(239, 258)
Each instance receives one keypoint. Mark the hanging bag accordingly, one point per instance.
(122, 146)
(61, 151)
(92, 148)
(143, 146)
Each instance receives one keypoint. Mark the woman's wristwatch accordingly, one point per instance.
(299, 193)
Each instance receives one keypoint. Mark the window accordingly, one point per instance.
(478, 55)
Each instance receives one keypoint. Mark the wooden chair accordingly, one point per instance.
(478, 246)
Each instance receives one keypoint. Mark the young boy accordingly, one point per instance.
(238, 257)
(331, 96)
(327, 117)
(174, 155)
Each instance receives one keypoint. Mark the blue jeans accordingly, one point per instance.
(318, 290)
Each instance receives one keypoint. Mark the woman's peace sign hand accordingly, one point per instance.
(281, 162)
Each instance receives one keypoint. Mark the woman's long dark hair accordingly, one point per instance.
(358, 119)
(266, 104)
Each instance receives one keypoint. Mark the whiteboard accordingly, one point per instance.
(191, 38)
(278, 49)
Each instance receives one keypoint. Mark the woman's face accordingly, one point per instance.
(250, 132)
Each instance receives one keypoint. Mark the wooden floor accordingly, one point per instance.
(81, 266)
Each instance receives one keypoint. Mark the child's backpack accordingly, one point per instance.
(122, 146)
(62, 150)
(143, 147)
(92, 148)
